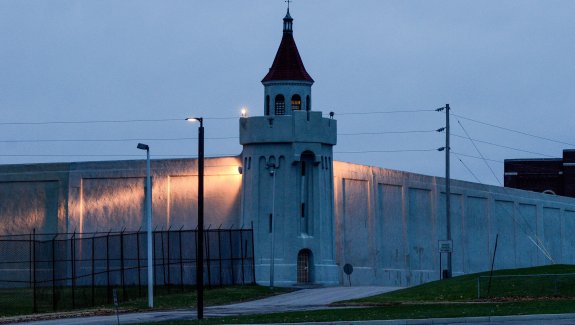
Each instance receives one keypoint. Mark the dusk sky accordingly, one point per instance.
(505, 63)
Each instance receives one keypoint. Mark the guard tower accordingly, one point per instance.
(288, 177)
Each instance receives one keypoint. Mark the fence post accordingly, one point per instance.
(169, 262)
(33, 270)
(154, 233)
(181, 260)
(196, 256)
(30, 260)
(207, 255)
(122, 269)
(54, 306)
(72, 253)
(232, 256)
(220, 254)
(108, 288)
(139, 265)
(93, 272)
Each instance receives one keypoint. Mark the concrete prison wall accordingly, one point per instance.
(388, 224)
(110, 195)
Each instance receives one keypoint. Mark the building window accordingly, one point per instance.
(296, 103)
(267, 105)
(280, 107)
(307, 103)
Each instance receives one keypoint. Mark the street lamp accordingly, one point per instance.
(200, 248)
(272, 167)
(149, 225)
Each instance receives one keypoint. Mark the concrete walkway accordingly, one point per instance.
(307, 299)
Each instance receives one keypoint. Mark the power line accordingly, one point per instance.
(90, 121)
(114, 140)
(479, 152)
(385, 112)
(71, 171)
(192, 138)
(468, 169)
(112, 155)
(502, 146)
(387, 132)
(515, 131)
(385, 151)
(110, 121)
(476, 157)
(515, 163)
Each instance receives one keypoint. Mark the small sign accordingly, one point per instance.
(445, 246)
(348, 269)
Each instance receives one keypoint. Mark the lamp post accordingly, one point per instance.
(272, 167)
(149, 225)
(200, 248)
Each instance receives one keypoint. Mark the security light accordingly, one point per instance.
(143, 146)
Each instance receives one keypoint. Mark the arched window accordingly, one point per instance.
(295, 103)
(267, 105)
(307, 103)
(280, 108)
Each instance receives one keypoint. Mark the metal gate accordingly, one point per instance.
(304, 266)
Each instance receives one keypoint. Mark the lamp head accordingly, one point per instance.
(196, 119)
(244, 112)
(143, 146)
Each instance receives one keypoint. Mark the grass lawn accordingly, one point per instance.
(212, 297)
(14, 302)
(399, 311)
(464, 288)
(456, 297)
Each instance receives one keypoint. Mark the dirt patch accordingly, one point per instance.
(62, 315)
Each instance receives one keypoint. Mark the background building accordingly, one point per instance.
(552, 176)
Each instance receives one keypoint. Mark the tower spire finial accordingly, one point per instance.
(288, 21)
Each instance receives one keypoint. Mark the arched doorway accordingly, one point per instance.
(304, 266)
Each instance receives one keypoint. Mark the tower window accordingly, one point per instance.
(307, 103)
(296, 103)
(280, 107)
(268, 105)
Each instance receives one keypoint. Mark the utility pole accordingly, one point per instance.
(447, 189)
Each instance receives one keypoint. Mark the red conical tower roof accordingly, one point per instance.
(287, 63)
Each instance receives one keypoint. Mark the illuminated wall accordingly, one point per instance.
(103, 196)
(388, 224)
(33, 197)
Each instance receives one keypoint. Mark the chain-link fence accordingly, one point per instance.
(73, 270)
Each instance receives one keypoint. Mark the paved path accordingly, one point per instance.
(306, 299)
(309, 299)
